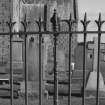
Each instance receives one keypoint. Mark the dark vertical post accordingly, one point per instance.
(40, 64)
(39, 23)
(11, 70)
(75, 9)
(85, 23)
(25, 67)
(70, 59)
(45, 17)
(84, 66)
(25, 23)
(54, 24)
(10, 25)
(99, 24)
(92, 58)
(98, 68)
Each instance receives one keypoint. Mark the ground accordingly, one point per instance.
(34, 101)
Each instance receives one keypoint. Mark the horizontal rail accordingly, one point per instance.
(50, 32)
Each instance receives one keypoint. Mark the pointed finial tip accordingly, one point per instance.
(85, 14)
(85, 17)
(99, 13)
(100, 16)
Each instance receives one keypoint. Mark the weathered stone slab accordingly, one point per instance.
(92, 80)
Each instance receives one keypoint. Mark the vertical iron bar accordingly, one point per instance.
(70, 23)
(99, 24)
(92, 58)
(84, 67)
(55, 74)
(10, 25)
(70, 59)
(85, 24)
(11, 70)
(54, 25)
(40, 65)
(98, 69)
(25, 23)
(45, 17)
(75, 9)
(25, 68)
(55, 67)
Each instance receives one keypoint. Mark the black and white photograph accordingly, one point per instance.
(52, 52)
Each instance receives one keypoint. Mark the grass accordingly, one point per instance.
(34, 99)
(62, 101)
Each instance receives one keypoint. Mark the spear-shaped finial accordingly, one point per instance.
(10, 24)
(39, 23)
(25, 23)
(85, 22)
(99, 22)
(70, 21)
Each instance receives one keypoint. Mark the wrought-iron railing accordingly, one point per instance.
(55, 33)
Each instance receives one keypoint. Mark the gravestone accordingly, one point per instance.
(17, 54)
(17, 41)
(47, 43)
(92, 80)
(17, 60)
(32, 12)
(63, 8)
